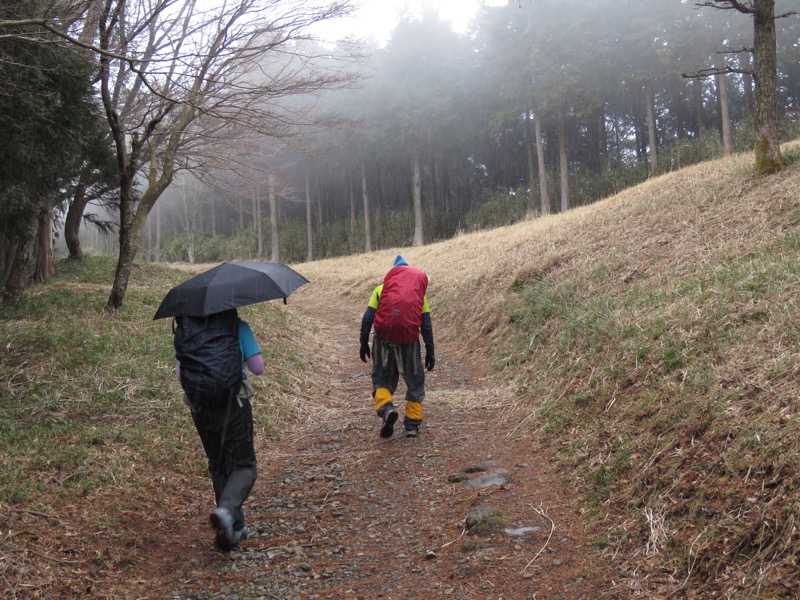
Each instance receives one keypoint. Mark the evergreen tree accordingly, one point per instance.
(49, 120)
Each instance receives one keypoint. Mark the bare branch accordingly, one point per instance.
(724, 70)
(740, 6)
(712, 71)
(727, 5)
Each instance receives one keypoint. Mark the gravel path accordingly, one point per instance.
(339, 512)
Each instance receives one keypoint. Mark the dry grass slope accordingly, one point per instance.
(651, 340)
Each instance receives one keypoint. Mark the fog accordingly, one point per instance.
(547, 105)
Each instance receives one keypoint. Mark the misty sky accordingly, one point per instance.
(376, 19)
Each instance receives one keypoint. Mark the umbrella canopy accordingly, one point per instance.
(229, 285)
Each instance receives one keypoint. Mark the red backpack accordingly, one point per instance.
(399, 313)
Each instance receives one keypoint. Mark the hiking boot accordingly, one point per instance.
(240, 534)
(389, 420)
(222, 523)
(412, 431)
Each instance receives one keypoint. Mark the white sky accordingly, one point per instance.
(376, 19)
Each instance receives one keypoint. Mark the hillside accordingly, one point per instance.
(640, 354)
(650, 342)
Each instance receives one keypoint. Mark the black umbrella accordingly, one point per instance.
(229, 285)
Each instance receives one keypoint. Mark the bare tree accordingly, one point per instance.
(178, 79)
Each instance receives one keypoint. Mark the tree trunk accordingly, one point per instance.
(352, 204)
(595, 139)
(150, 252)
(241, 210)
(446, 189)
(601, 137)
(563, 159)
(367, 219)
(44, 255)
(309, 228)
(417, 199)
(19, 274)
(213, 207)
(747, 84)
(188, 219)
(129, 237)
(434, 195)
(639, 135)
(158, 232)
(128, 240)
(725, 119)
(320, 214)
(72, 222)
(531, 213)
(273, 219)
(545, 196)
(697, 90)
(258, 222)
(617, 141)
(765, 72)
(256, 212)
(191, 234)
(190, 246)
(651, 128)
(133, 217)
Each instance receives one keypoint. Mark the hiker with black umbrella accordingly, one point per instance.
(212, 347)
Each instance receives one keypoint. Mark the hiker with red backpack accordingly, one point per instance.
(398, 310)
(212, 352)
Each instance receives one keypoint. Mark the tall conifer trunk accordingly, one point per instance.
(309, 213)
(652, 137)
(765, 70)
(543, 193)
(563, 157)
(417, 198)
(367, 211)
(273, 219)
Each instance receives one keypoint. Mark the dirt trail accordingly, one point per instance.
(338, 512)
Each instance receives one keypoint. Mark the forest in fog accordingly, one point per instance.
(236, 133)
(459, 113)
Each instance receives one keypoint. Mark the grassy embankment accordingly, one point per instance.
(650, 341)
(97, 450)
